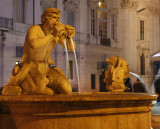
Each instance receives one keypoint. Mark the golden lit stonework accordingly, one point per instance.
(116, 74)
(33, 74)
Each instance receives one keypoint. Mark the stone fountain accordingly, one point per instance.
(40, 97)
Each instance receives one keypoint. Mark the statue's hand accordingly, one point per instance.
(50, 62)
(70, 31)
(59, 30)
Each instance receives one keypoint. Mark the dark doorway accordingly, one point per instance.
(93, 81)
(142, 64)
(101, 82)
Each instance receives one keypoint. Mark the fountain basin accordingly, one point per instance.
(156, 116)
(77, 111)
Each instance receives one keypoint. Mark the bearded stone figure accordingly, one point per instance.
(116, 74)
(33, 74)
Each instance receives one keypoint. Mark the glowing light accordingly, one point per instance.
(17, 62)
(99, 3)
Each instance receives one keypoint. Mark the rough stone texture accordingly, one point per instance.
(33, 74)
(77, 111)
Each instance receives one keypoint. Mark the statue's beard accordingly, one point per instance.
(51, 26)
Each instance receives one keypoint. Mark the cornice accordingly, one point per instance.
(131, 4)
(71, 4)
(92, 3)
(152, 10)
(114, 11)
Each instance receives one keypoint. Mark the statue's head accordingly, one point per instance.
(112, 61)
(51, 15)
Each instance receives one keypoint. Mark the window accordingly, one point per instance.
(19, 51)
(70, 70)
(141, 30)
(93, 21)
(102, 24)
(102, 19)
(70, 17)
(19, 10)
(93, 81)
(113, 26)
(142, 64)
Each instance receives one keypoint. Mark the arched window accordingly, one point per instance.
(71, 12)
(142, 64)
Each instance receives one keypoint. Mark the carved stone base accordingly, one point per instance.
(84, 111)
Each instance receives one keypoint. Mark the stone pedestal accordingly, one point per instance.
(84, 111)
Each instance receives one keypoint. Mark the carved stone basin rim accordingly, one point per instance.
(85, 110)
(88, 96)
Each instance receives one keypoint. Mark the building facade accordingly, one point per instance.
(104, 28)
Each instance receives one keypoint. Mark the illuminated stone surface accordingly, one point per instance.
(116, 74)
(33, 74)
(84, 111)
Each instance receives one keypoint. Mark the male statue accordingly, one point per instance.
(33, 75)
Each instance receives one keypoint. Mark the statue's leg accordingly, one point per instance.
(37, 79)
(19, 74)
(11, 90)
(29, 87)
(58, 82)
(18, 78)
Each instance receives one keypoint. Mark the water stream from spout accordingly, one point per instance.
(138, 76)
(67, 58)
(67, 61)
(75, 57)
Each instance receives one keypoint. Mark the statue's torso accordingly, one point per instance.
(41, 53)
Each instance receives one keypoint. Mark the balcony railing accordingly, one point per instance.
(6, 23)
(105, 42)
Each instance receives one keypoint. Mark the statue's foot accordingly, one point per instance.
(42, 91)
(37, 91)
(49, 91)
(11, 90)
